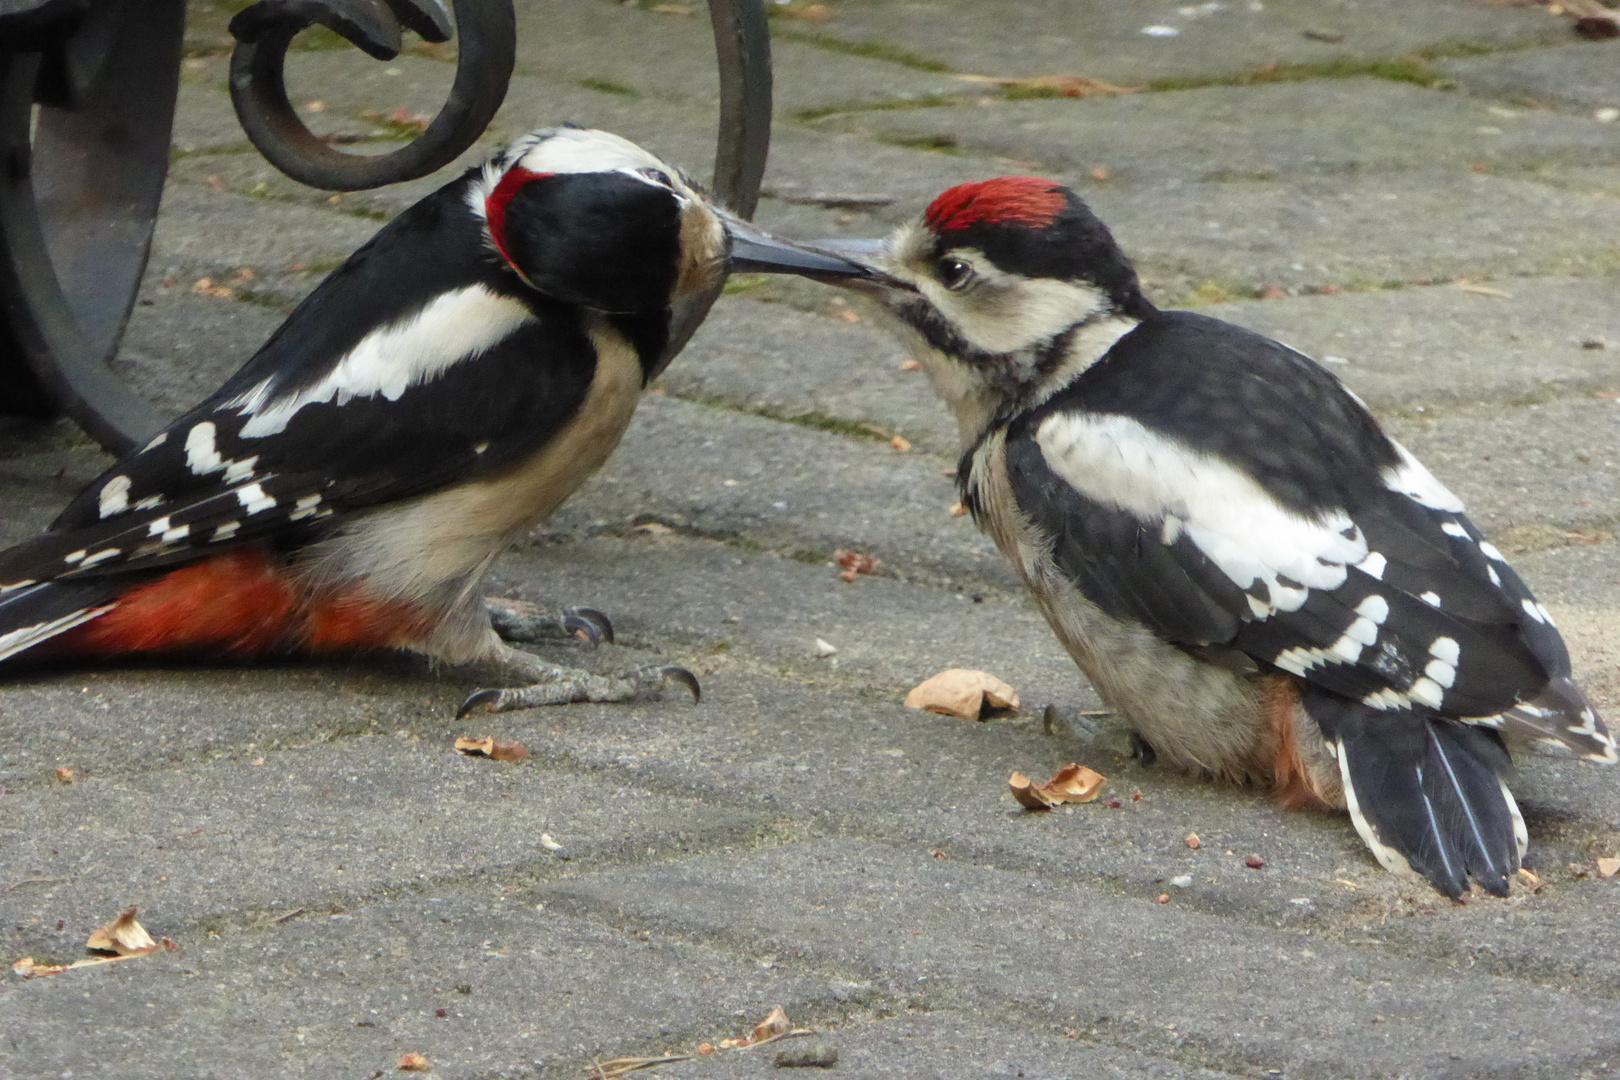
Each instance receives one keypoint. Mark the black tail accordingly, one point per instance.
(1426, 792)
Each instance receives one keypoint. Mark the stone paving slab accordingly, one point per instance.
(1166, 980)
(324, 827)
(1104, 39)
(762, 805)
(946, 1043)
(1257, 132)
(1575, 76)
(722, 473)
(346, 994)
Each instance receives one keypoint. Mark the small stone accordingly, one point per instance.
(1162, 898)
(1254, 862)
(1606, 115)
(1193, 841)
(1594, 343)
(810, 1052)
(825, 647)
(1182, 881)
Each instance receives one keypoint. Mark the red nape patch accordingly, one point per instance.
(1024, 200)
(495, 203)
(234, 603)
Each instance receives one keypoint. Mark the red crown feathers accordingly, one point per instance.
(1025, 200)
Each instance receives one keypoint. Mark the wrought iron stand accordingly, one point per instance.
(87, 97)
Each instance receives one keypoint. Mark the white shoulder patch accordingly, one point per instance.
(1411, 479)
(1244, 531)
(456, 326)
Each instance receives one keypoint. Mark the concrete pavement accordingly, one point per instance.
(1423, 195)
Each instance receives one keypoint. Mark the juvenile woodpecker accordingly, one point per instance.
(1260, 581)
(434, 398)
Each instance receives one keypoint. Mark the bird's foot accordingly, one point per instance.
(519, 620)
(1142, 750)
(563, 686)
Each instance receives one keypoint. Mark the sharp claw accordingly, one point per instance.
(588, 623)
(485, 699)
(676, 674)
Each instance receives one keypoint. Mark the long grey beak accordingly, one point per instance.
(754, 251)
(869, 255)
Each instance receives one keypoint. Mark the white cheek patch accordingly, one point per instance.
(453, 327)
(1005, 313)
(1251, 537)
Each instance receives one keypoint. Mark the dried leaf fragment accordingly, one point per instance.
(958, 509)
(857, 561)
(1531, 879)
(490, 747)
(1193, 841)
(705, 1049)
(965, 692)
(775, 1023)
(64, 775)
(1070, 784)
(414, 1062)
(123, 937)
(28, 969)
(1608, 867)
(900, 443)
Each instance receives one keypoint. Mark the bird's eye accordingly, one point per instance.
(658, 176)
(954, 273)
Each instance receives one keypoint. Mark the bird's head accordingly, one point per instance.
(1012, 286)
(592, 219)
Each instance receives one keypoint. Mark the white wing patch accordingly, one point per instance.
(1411, 479)
(456, 326)
(1244, 531)
(114, 497)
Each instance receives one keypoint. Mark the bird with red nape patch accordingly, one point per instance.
(438, 395)
(1252, 574)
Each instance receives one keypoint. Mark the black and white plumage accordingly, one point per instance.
(437, 395)
(1248, 569)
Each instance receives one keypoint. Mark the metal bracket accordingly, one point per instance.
(80, 179)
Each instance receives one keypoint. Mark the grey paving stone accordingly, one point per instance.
(1447, 344)
(1256, 132)
(1104, 39)
(1576, 76)
(722, 473)
(216, 844)
(774, 356)
(347, 994)
(1167, 981)
(947, 1043)
(181, 345)
(216, 233)
(1552, 463)
(1363, 230)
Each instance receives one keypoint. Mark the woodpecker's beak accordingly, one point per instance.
(871, 256)
(754, 251)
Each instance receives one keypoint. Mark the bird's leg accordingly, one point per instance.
(549, 684)
(519, 620)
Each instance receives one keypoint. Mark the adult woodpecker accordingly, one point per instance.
(435, 397)
(1256, 577)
